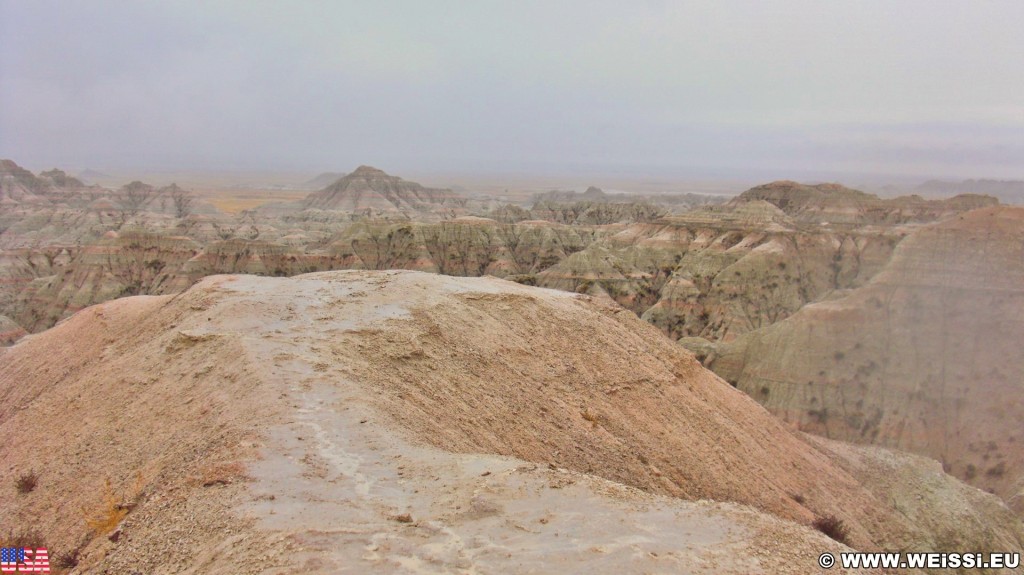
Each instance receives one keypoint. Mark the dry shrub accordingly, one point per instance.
(222, 474)
(24, 538)
(68, 560)
(997, 471)
(27, 482)
(833, 527)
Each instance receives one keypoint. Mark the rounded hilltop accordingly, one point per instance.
(249, 417)
(368, 172)
(834, 203)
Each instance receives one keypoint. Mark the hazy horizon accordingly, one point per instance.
(740, 90)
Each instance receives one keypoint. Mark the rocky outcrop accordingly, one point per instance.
(676, 201)
(10, 331)
(51, 188)
(466, 246)
(60, 281)
(136, 197)
(924, 357)
(18, 185)
(54, 209)
(59, 179)
(596, 213)
(597, 207)
(48, 284)
(721, 272)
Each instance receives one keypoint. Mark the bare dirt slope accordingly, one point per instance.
(924, 358)
(412, 423)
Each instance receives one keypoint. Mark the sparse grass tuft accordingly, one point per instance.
(997, 471)
(970, 472)
(222, 474)
(27, 482)
(833, 527)
(68, 560)
(113, 509)
(23, 538)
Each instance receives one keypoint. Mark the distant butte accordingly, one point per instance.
(369, 188)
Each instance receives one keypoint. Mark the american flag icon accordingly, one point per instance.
(24, 560)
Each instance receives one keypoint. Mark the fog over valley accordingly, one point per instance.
(784, 89)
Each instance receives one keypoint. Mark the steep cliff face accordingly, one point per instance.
(18, 185)
(47, 284)
(368, 188)
(467, 246)
(69, 279)
(924, 357)
(721, 272)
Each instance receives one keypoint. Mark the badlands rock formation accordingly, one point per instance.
(17, 184)
(723, 271)
(53, 191)
(408, 422)
(10, 331)
(925, 357)
(371, 189)
(715, 272)
(1007, 191)
(836, 204)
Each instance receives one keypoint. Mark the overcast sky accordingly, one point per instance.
(716, 87)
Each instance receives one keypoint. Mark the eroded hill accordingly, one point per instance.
(834, 204)
(924, 357)
(401, 420)
(715, 272)
(368, 188)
